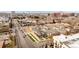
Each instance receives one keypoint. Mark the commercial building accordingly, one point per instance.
(67, 41)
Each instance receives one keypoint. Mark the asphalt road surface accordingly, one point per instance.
(21, 41)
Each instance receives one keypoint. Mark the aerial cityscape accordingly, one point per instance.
(39, 29)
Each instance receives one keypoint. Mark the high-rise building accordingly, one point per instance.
(12, 13)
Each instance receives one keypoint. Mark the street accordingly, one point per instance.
(21, 41)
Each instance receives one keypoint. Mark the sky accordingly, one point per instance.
(39, 5)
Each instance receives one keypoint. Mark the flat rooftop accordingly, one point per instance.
(71, 41)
